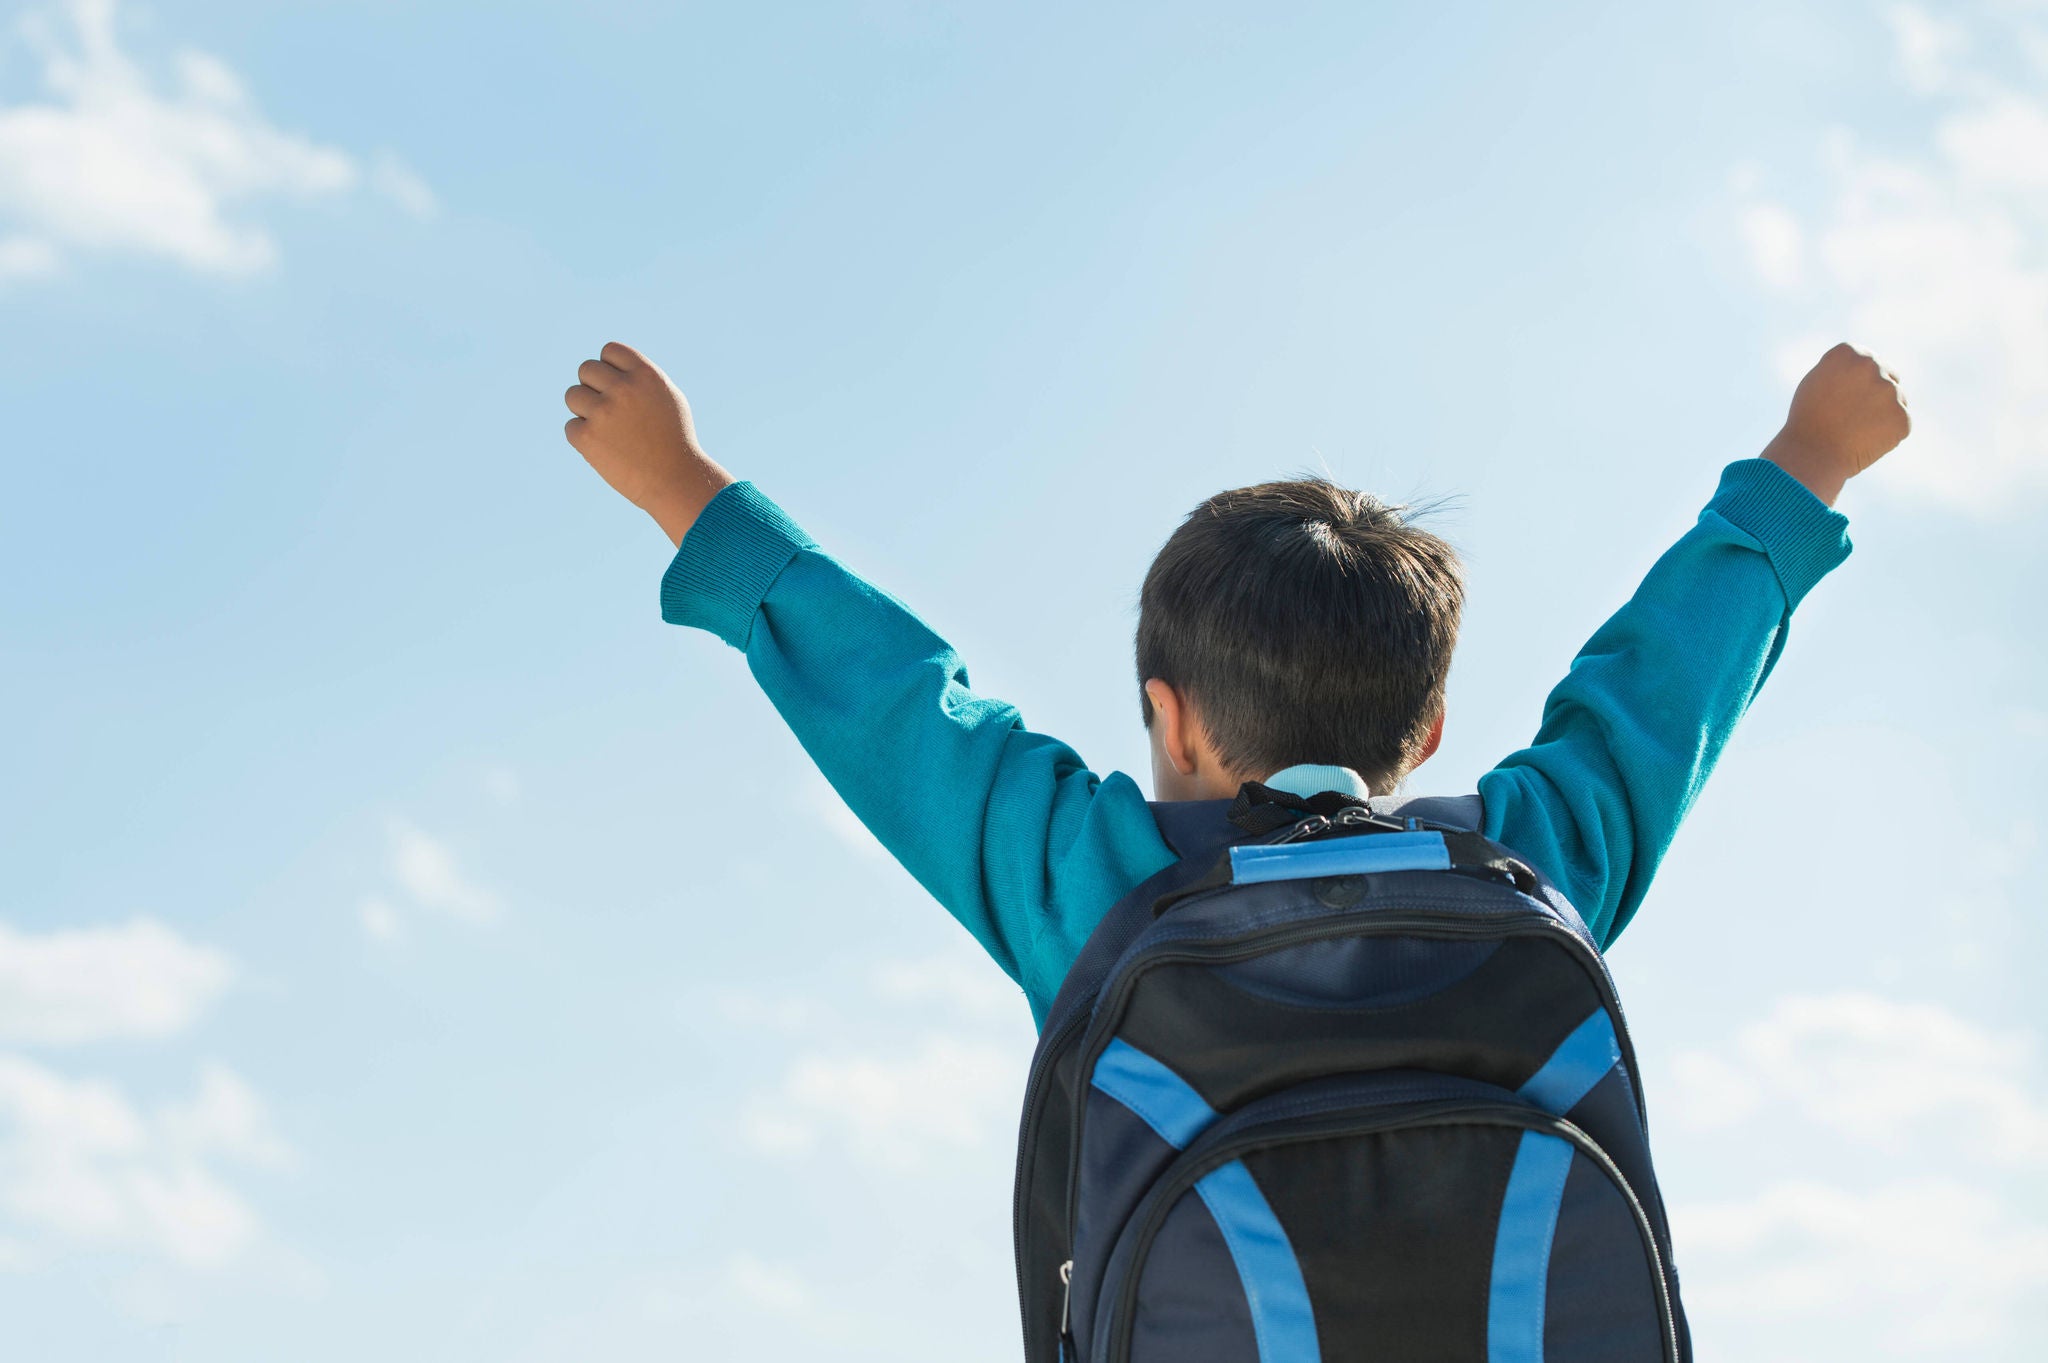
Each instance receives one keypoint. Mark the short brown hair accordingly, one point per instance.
(1304, 622)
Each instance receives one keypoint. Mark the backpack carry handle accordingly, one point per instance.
(1261, 809)
(1359, 842)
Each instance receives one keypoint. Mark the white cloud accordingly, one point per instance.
(739, 1297)
(116, 161)
(1937, 261)
(92, 984)
(379, 919)
(225, 1117)
(402, 185)
(426, 875)
(82, 1166)
(1775, 244)
(950, 1087)
(2002, 142)
(26, 258)
(1927, 47)
(962, 981)
(425, 868)
(1923, 1267)
(1942, 1248)
(1879, 1072)
(768, 1287)
(897, 1109)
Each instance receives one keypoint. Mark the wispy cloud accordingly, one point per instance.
(1923, 1268)
(426, 868)
(1878, 1071)
(1928, 47)
(92, 984)
(768, 1287)
(426, 875)
(963, 981)
(81, 1165)
(1903, 1264)
(945, 1085)
(1933, 255)
(379, 919)
(116, 160)
(897, 1108)
(739, 1298)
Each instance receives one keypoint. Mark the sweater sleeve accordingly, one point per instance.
(1630, 735)
(1007, 828)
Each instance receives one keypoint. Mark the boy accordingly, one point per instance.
(1292, 633)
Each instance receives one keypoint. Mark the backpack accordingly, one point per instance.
(1347, 1081)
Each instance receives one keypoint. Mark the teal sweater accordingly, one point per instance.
(1028, 848)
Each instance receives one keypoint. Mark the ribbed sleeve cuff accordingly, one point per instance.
(727, 561)
(1804, 538)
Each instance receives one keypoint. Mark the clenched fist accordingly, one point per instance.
(634, 428)
(1847, 414)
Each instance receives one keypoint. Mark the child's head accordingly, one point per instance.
(1295, 622)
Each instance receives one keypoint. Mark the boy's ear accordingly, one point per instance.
(1171, 727)
(1434, 741)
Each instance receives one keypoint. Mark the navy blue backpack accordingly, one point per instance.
(1347, 1082)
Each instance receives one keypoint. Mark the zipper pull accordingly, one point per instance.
(1066, 1294)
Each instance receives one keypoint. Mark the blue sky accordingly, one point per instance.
(410, 947)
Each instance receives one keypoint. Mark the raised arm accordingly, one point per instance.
(1007, 828)
(1636, 726)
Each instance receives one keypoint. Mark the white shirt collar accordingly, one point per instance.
(1309, 778)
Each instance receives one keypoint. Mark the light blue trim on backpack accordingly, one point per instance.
(1521, 1249)
(1282, 1318)
(1580, 1061)
(1158, 1095)
(1251, 865)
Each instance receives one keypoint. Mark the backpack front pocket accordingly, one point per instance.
(1386, 1216)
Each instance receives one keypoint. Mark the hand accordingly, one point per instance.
(634, 428)
(1847, 414)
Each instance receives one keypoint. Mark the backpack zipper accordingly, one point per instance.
(1034, 1105)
